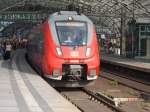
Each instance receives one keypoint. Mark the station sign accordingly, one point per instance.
(28, 16)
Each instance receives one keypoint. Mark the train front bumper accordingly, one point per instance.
(88, 67)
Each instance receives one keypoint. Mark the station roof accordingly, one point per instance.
(96, 7)
(103, 12)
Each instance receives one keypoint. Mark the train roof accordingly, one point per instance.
(64, 15)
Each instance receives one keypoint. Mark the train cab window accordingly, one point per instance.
(72, 33)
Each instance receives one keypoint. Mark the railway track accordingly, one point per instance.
(131, 74)
(96, 102)
(104, 100)
(126, 77)
(88, 101)
(127, 80)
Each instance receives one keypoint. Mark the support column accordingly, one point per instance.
(148, 47)
(123, 36)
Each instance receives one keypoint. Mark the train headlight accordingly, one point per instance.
(92, 73)
(56, 73)
(59, 52)
(88, 51)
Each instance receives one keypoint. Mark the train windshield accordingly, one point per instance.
(72, 33)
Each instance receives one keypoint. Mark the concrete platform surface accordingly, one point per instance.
(22, 90)
(129, 63)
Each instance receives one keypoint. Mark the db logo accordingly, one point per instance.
(74, 54)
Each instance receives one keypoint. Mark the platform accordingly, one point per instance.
(22, 90)
(136, 64)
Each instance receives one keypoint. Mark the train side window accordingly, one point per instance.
(40, 42)
(32, 43)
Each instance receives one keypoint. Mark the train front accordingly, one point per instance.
(72, 54)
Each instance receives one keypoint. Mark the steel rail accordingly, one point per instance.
(103, 100)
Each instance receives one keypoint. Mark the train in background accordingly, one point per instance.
(65, 49)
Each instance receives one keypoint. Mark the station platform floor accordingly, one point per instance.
(22, 90)
(132, 63)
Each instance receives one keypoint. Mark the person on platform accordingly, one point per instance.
(8, 49)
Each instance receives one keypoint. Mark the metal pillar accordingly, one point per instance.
(133, 29)
(123, 36)
(148, 47)
(139, 50)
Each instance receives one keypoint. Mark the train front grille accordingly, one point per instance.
(74, 72)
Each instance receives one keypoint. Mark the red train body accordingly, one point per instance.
(65, 48)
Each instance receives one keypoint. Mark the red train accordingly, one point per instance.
(65, 48)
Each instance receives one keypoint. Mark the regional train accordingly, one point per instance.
(64, 48)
